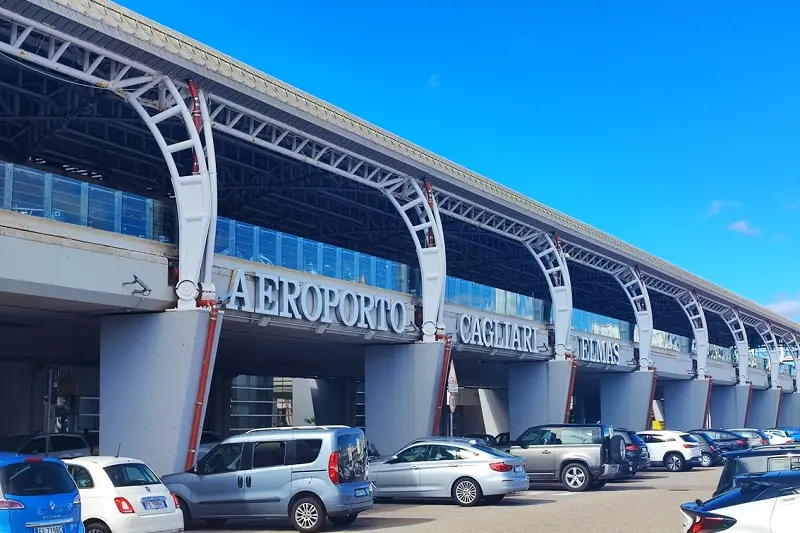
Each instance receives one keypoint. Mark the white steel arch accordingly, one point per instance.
(631, 281)
(764, 330)
(734, 321)
(144, 89)
(697, 319)
(547, 252)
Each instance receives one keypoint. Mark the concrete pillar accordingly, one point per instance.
(789, 415)
(330, 398)
(764, 408)
(539, 393)
(149, 374)
(494, 408)
(730, 405)
(16, 384)
(686, 403)
(625, 399)
(401, 382)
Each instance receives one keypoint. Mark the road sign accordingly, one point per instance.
(452, 381)
(451, 401)
(452, 388)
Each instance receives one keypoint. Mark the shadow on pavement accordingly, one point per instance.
(519, 502)
(364, 523)
(622, 487)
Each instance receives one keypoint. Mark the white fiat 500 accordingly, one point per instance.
(121, 495)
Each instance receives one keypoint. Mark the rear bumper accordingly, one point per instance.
(353, 508)
(504, 484)
(606, 471)
(162, 523)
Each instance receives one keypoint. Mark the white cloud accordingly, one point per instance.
(718, 206)
(745, 228)
(788, 307)
(779, 236)
(434, 81)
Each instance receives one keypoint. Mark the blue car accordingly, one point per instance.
(37, 495)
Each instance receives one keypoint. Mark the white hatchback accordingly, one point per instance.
(121, 495)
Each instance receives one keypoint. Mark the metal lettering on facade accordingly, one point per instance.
(491, 333)
(596, 350)
(284, 297)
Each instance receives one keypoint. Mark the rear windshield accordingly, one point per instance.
(35, 479)
(728, 435)
(494, 452)
(688, 438)
(12, 443)
(131, 475)
(352, 448)
(636, 438)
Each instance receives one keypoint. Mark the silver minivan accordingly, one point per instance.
(308, 474)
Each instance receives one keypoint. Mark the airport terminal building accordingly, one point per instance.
(192, 245)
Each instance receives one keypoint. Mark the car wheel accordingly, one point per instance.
(96, 527)
(467, 492)
(674, 462)
(343, 520)
(576, 478)
(187, 516)
(308, 515)
(706, 460)
(494, 499)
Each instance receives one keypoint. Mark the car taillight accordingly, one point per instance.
(8, 505)
(688, 445)
(33, 459)
(124, 506)
(501, 467)
(333, 468)
(176, 500)
(77, 499)
(740, 442)
(764, 441)
(708, 524)
(631, 447)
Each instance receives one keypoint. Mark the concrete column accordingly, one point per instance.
(539, 393)
(789, 415)
(764, 408)
(625, 399)
(330, 400)
(149, 374)
(494, 408)
(401, 382)
(730, 405)
(16, 382)
(686, 403)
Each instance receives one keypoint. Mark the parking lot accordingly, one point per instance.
(650, 501)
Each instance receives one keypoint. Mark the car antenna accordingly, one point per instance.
(19, 450)
(118, 448)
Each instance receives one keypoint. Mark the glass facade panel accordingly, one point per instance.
(260, 402)
(164, 222)
(349, 270)
(66, 205)
(268, 246)
(330, 261)
(311, 259)
(102, 208)
(27, 193)
(222, 244)
(3, 186)
(245, 241)
(134, 216)
(290, 254)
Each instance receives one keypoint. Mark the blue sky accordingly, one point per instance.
(673, 129)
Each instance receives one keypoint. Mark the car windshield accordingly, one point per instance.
(131, 475)
(35, 479)
(12, 443)
(494, 452)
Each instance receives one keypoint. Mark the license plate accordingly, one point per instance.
(360, 493)
(152, 504)
(49, 529)
(518, 469)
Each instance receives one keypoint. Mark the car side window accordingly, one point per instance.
(539, 437)
(83, 479)
(441, 453)
(223, 459)
(269, 454)
(412, 455)
(33, 446)
(582, 436)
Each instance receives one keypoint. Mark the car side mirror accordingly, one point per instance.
(392, 460)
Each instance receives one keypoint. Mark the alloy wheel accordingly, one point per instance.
(673, 463)
(575, 477)
(466, 492)
(306, 515)
(705, 460)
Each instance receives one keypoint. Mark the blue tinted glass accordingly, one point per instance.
(349, 272)
(134, 216)
(245, 238)
(365, 272)
(66, 206)
(330, 264)
(268, 246)
(27, 193)
(101, 208)
(222, 245)
(164, 222)
(311, 251)
(289, 251)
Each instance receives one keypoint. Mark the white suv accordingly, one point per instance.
(675, 450)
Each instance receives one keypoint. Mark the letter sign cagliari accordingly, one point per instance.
(492, 333)
(307, 300)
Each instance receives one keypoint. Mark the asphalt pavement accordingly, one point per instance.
(650, 502)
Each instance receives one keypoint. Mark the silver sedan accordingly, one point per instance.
(465, 470)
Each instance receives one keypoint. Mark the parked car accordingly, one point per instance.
(306, 474)
(761, 503)
(503, 438)
(62, 445)
(761, 459)
(711, 453)
(29, 485)
(674, 450)
(792, 432)
(778, 436)
(755, 437)
(633, 454)
(580, 457)
(726, 440)
(123, 495)
(487, 439)
(208, 441)
(466, 470)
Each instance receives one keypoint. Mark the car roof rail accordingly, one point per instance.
(297, 428)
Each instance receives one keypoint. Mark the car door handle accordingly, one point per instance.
(453, 466)
(415, 467)
(239, 481)
(248, 481)
(546, 452)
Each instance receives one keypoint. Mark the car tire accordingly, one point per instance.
(93, 526)
(706, 460)
(494, 499)
(674, 462)
(467, 492)
(308, 515)
(575, 477)
(343, 520)
(187, 515)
